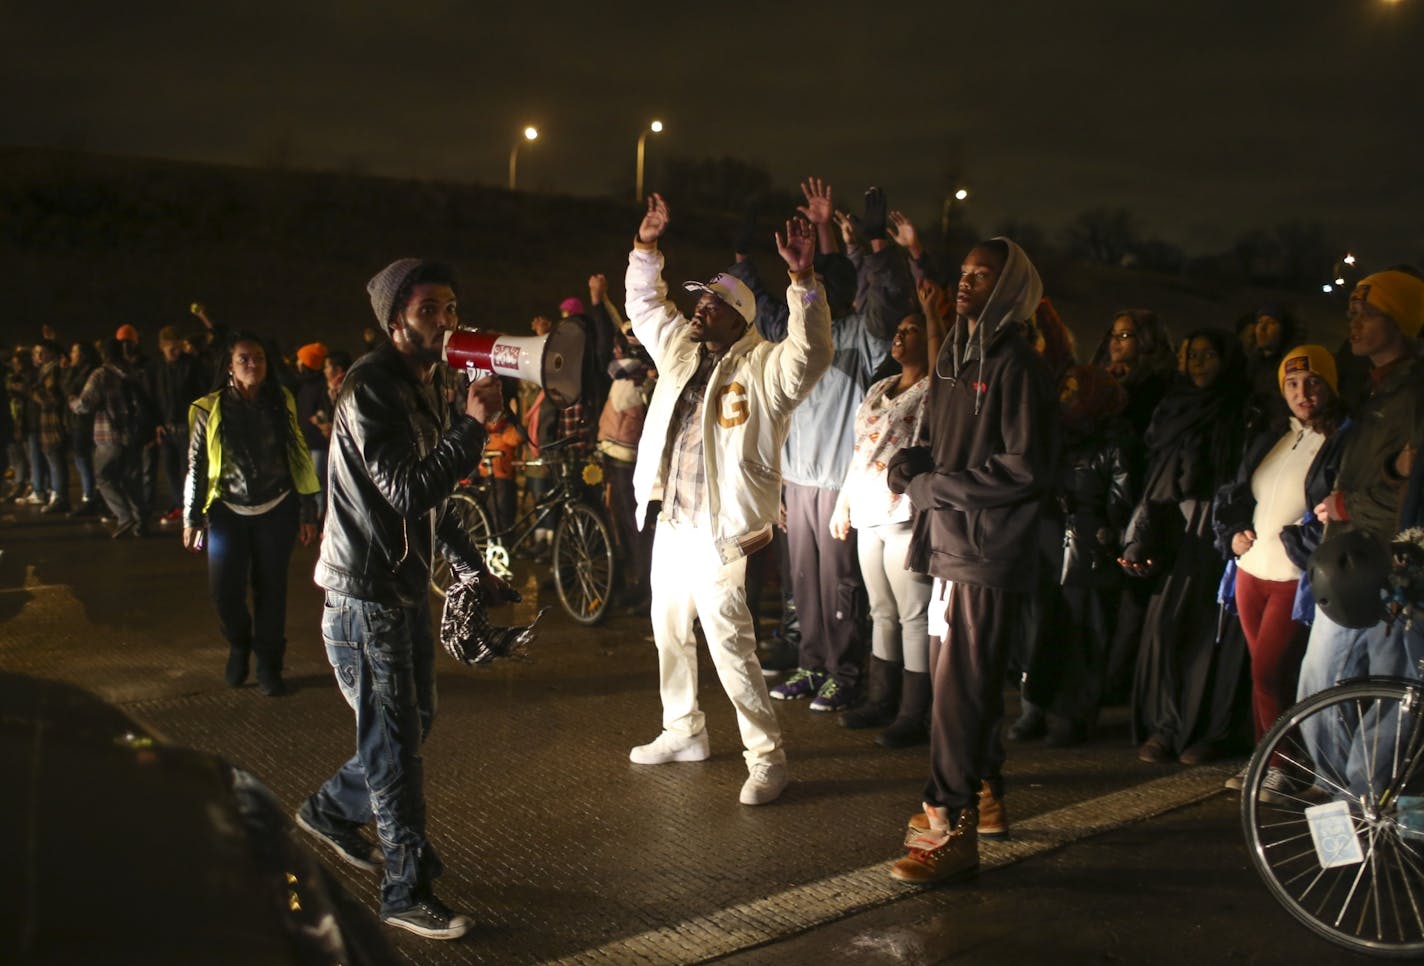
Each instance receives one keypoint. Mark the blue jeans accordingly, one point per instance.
(384, 660)
(58, 459)
(1334, 654)
(84, 464)
(173, 455)
(253, 551)
(39, 466)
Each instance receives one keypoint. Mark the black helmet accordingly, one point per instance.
(1349, 573)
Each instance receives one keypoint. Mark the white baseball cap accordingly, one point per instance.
(731, 290)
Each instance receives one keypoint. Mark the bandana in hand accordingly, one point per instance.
(466, 631)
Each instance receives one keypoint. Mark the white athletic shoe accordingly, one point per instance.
(668, 747)
(765, 784)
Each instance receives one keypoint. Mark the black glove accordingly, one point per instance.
(907, 464)
(875, 214)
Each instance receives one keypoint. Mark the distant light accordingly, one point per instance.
(530, 133)
(656, 127)
(1327, 289)
(961, 194)
(1349, 259)
(1339, 281)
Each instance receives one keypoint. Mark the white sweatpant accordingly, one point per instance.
(689, 580)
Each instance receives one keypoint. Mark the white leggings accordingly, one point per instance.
(898, 597)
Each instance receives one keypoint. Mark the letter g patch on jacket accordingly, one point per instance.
(732, 405)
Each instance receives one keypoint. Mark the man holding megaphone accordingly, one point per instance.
(397, 452)
(711, 450)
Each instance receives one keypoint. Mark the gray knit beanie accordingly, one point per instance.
(386, 284)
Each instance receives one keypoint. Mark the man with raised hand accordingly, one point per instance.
(710, 451)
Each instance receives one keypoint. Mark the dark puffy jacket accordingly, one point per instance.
(1094, 500)
(397, 452)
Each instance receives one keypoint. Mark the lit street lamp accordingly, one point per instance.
(960, 194)
(530, 133)
(653, 128)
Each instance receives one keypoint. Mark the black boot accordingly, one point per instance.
(911, 725)
(269, 672)
(1031, 723)
(238, 657)
(882, 697)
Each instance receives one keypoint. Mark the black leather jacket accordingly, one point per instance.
(397, 452)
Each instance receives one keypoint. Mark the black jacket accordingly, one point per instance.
(174, 386)
(978, 492)
(397, 452)
(1094, 500)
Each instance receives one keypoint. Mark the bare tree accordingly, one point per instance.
(1102, 235)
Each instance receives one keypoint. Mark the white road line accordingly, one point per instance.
(796, 910)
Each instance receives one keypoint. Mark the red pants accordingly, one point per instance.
(1276, 643)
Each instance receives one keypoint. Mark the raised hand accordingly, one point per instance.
(934, 300)
(597, 288)
(847, 226)
(817, 209)
(798, 246)
(904, 234)
(655, 222)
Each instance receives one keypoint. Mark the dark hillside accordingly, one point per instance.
(90, 242)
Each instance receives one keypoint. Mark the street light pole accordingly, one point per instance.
(961, 194)
(530, 133)
(654, 128)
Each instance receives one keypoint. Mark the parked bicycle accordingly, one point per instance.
(582, 555)
(1333, 802)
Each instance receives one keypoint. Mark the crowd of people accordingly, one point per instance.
(951, 497)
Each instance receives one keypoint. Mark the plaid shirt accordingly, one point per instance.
(49, 397)
(103, 396)
(685, 489)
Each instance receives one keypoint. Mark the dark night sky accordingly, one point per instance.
(1205, 117)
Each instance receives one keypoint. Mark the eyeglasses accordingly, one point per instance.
(1122, 336)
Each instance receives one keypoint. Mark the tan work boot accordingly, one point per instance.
(993, 820)
(940, 852)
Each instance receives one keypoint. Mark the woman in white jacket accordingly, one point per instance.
(898, 691)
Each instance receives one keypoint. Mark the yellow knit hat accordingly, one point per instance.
(1309, 358)
(1397, 294)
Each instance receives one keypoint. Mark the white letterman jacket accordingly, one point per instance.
(746, 411)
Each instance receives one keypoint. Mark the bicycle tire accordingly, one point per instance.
(1375, 905)
(476, 522)
(583, 563)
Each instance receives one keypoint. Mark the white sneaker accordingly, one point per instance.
(34, 499)
(668, 747)
(765, 784)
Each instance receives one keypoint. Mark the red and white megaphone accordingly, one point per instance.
(554, 361)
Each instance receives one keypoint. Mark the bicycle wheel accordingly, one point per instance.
(1354, 750)
(475, 520)
(583, 563)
